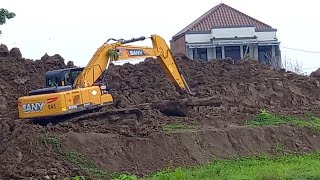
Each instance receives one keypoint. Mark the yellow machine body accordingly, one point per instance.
(55, 104)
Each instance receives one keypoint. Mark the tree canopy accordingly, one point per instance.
(4, 15)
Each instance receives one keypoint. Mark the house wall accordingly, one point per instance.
(263, 36)
(232, 32)
(198, 38)
(241, 32)
(178, 45)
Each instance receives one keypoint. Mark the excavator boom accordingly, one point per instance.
(101, 60)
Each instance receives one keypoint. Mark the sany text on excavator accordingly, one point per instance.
(79, 90)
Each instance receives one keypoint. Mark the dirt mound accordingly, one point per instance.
(4, 52)
(20, 153)
(159, 151)
(19, 76)
(246, 87)
(232, 93)
(15, 52)
(316, 73)
(22, 156)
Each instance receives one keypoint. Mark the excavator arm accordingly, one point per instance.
(104, 56)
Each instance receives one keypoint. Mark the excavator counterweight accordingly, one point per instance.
(79, 91)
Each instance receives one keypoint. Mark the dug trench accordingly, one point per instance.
(233, 94)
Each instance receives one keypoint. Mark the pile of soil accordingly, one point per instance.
(142, 147)
(248, 83)
(20, 75)
(20, 153)
(246, 88)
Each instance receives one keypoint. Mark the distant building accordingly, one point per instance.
(226, 32)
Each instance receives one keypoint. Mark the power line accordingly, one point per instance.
(315, 52)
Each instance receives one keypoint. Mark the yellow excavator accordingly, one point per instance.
(80, 90)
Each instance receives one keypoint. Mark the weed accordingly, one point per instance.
(124, 177)
(74, 178)
(310, 122)
(175, 127)
(83, 163)
(265, 118)
(270, 174)
(52, 141)
(280, 149)
(75, 158)
(79, 178)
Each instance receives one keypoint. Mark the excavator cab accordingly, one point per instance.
(62, 77)
(58, 81)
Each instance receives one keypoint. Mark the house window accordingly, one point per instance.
(200, 53)
(233, 52)
(265, 54)
(218, 52)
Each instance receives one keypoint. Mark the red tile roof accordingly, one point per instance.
(222, 15)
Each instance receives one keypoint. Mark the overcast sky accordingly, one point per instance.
(75, 29)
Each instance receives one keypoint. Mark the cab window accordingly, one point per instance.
(52, 82)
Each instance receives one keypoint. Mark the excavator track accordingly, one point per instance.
(99, 114)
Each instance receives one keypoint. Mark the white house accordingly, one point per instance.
(226, 32)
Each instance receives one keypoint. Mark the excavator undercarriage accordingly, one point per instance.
(101, 114)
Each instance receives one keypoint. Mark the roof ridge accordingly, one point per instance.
(247, 15)
(198, 19)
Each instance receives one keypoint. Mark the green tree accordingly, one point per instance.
(4, 15)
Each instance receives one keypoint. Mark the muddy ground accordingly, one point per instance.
(142, 147)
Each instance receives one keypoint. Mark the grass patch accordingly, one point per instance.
(52, 141)
(77, 159)
(176, 127)
(79, 178)
(83, 163)
(265, 118)
(280, 149)
(74, 178)
(124, 177)
(291, 167)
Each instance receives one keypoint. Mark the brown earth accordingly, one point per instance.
(161, 150)
(142, 147)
